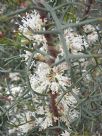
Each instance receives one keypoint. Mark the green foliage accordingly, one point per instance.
(70, 14)
(89, 102)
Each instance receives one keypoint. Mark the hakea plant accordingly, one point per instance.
(46, 79)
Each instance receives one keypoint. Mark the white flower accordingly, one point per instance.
(32, 22)
(11, 131)
(61, 67)
(47, 77)
(63, 80)
(78, 42)
(26, 125)
(54, 87)
(67, 107)
(93, 37)
(38, 84)
(14, 76)
(40, 110)
(29, 24)
(27, 55)
(15, 90)
(43, 69)
(74, 41)
(65, 133)
(88, 28)
(45, 122)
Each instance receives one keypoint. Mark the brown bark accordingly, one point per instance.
(88, 7)
(53, 52)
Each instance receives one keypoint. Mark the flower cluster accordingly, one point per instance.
(48, 78)
(29, 24)
(32, 23)
(14, 76)
(74, 41)
(52, 81)
(91, 33)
